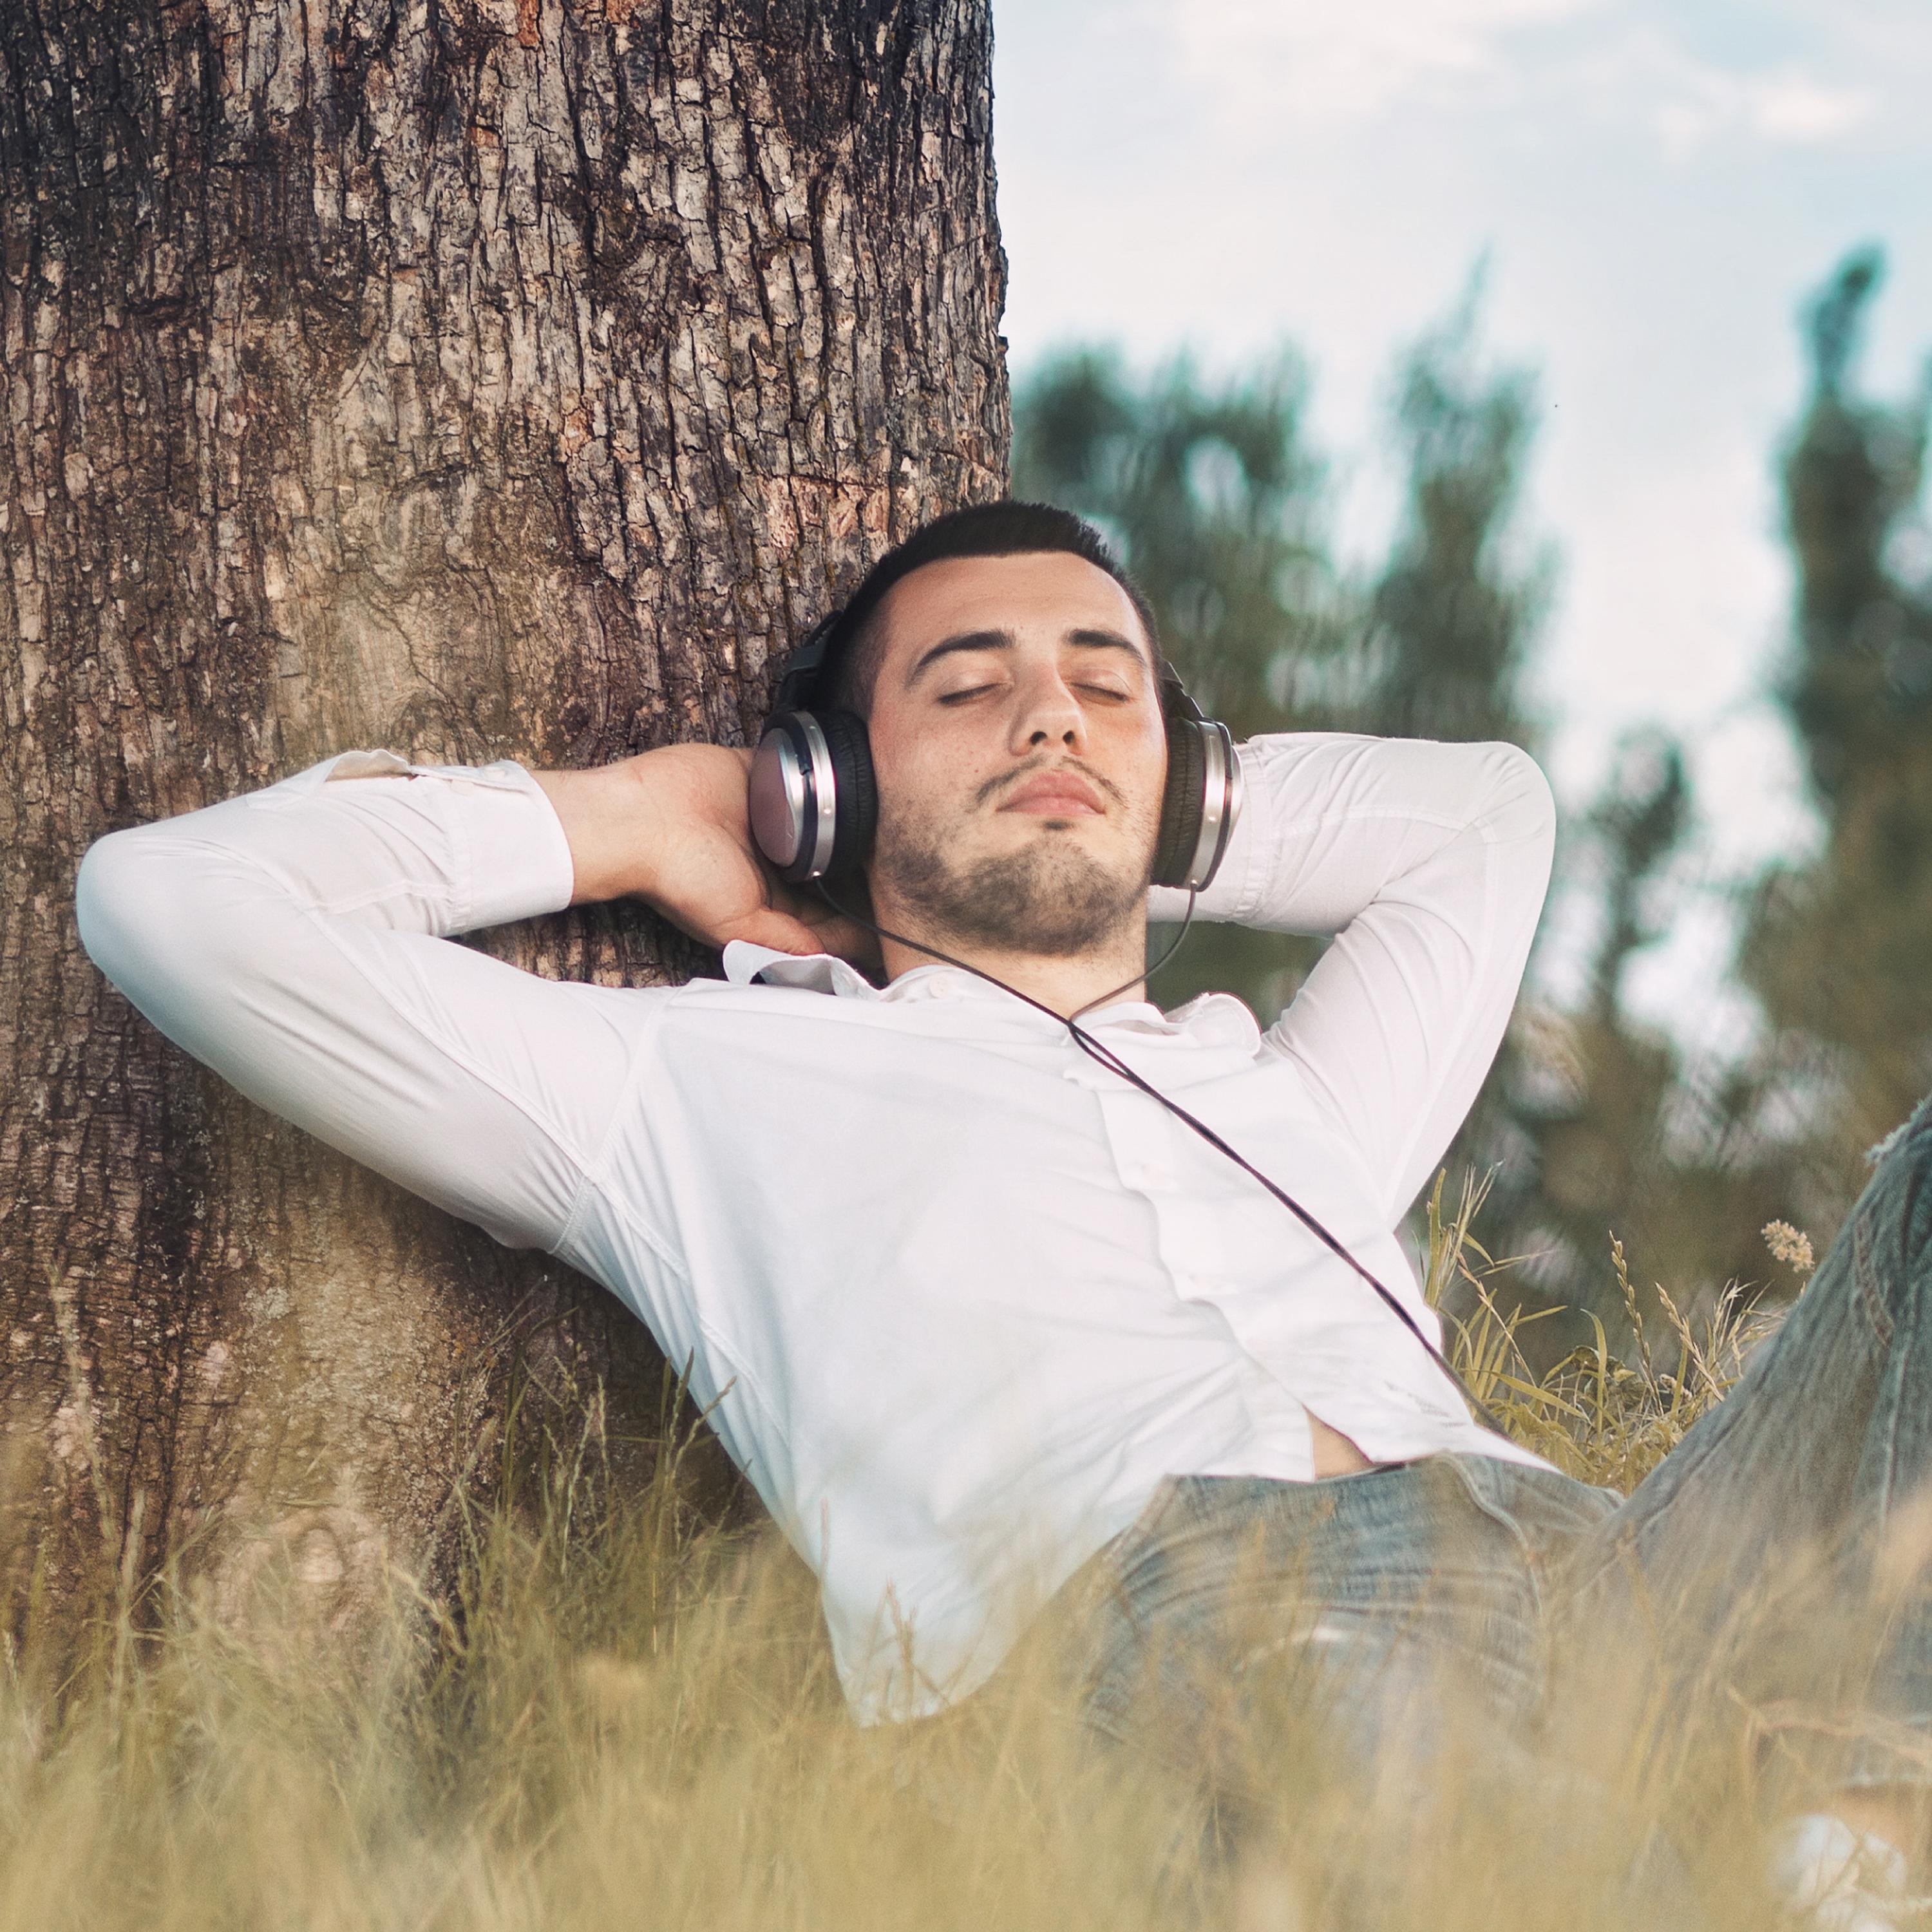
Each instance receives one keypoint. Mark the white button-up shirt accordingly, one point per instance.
(959, 1297)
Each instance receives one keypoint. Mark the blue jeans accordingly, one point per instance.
(1770, 1565)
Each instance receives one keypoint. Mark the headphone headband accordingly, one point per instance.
(798, 683)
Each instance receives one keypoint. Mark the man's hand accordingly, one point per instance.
(670, 827)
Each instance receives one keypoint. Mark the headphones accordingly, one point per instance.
(814, 802)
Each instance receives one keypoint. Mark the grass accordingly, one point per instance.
(628, 1718)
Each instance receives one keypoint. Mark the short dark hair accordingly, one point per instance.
(1004, 529)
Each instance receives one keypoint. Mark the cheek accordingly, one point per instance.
(1144, 772)
(917, 773)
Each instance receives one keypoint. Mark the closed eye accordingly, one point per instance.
(1108, 693)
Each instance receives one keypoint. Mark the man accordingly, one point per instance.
(972, 1312)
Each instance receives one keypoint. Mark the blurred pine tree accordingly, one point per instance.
(1687, 1159)
(1588, 1122)
(1453, 620)
(1840, 950)
(1456, 613)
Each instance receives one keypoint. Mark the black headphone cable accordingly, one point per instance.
(1108, 1058)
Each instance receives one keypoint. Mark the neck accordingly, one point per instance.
(1116, 965)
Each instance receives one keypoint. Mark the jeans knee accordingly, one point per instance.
(1896, 1214)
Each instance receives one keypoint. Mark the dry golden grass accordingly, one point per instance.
(629, 1720)
(1597, 1417)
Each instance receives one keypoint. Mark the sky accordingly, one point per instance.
(1654, 188)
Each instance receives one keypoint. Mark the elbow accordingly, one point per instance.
(1518, 806)
(102, 893)
(130, 908)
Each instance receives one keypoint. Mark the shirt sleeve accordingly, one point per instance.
(1429, 863)
(296, 941)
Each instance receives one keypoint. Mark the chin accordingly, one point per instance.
(1048, 892)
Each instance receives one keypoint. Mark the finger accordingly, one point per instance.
(848, 939)
(778, 930)
(837, 931)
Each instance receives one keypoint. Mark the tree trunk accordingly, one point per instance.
(478, 378)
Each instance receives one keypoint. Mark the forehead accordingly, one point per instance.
(1043, 593)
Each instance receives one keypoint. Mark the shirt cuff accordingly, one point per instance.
(512, 857)
(520, 863)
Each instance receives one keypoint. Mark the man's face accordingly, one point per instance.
(1016, 731)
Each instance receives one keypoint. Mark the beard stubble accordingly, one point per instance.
(1050, 899)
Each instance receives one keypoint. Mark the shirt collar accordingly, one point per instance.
(749, 965)
(1212, 1019)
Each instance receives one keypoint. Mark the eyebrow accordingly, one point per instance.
(1087, 638)
(1106, 641)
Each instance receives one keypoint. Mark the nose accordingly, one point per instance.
(1048, 716)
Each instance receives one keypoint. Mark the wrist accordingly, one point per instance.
(612, 816)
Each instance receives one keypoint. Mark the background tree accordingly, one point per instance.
(1688, 1154)
(1457, 610)
(493, 378)
(1566, 1131)
(1840, 950)
(1580, 1141)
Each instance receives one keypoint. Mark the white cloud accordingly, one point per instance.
(1272, 63)
(1333, 59)
(1693, 103)
(1794, 107)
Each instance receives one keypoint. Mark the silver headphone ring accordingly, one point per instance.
(792, 798)
(1221, 797)
(822, 796)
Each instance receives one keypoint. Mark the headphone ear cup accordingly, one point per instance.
(857, 791)
(782, 794)
(1182, 803)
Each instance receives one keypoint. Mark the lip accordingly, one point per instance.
(1056, 795)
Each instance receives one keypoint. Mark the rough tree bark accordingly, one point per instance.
(479, 378)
